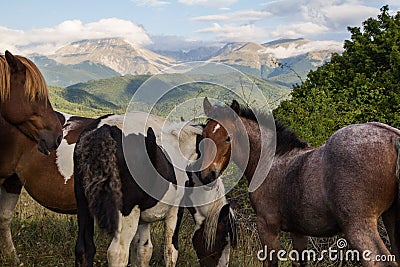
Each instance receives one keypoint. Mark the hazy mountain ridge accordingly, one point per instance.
(114, 53)
(103, 58)
(201, 53)
(245, 54)
(272, 59)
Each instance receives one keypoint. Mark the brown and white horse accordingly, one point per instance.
(106, 190)
(343, 186)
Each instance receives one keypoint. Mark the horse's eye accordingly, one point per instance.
(228, 139)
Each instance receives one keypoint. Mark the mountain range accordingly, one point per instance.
(282, 61)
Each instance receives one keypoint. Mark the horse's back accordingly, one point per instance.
(360, 168)
(353, 173)
(361, 148)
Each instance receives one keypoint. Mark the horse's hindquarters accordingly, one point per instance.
(360, 169)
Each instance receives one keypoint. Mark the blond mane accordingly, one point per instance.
(213, 210)
(35, 84)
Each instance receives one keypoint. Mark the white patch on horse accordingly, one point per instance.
(199, 219)
(216, 127)
(113, 120)
(64, 153)
(7, 203)
(64, 160)
(160, 210)
(66, 115)
(156, 213)
(224, 259)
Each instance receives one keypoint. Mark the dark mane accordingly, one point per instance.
(286, 139)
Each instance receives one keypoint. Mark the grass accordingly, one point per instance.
(47, 239)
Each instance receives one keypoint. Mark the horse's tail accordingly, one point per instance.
(100, 175)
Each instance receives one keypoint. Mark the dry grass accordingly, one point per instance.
(44, 238)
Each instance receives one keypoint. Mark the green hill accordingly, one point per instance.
(116, 90)
(119, 90)
(58, 74)
(79, 102)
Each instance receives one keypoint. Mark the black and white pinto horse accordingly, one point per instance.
(106, 190)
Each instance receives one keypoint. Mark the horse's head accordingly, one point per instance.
(180, 140)
(225, 238)
(24, 102)
(219, 134)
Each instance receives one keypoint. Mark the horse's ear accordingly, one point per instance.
(15, 64)
(60, 117)
(235, 106)
(208, 108)
(150, 142)
(151, 137)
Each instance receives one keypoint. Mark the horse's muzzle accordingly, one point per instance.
(207, 177)
(48, 143)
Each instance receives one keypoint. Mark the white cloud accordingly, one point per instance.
(393, 4)
(208, 3)
(309, 18)
(295, 49)
(297, 30)
(341, 16)
(335, 14)
(236, 33)
(151, 3)
(47, 40)
(238, 16)
(283, 8)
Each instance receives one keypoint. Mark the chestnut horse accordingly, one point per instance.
(343, 186)
(24, 103)
(45, 178)
(49, 180)
(27, 123)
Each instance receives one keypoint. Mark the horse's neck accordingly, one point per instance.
(178, 156)
(249, 165)
(210, 210)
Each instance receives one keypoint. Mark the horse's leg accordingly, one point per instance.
(364, 237)
(300, 244)
(118, 251)
(144, 247)
(269, 237)
(133, 249)
(84, 247)
(389, 220)
(170, 251)
(9, 194)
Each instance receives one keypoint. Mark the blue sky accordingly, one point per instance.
(43, 26)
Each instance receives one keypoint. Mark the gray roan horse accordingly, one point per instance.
(343, 186)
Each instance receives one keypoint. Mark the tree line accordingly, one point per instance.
(362, 84)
